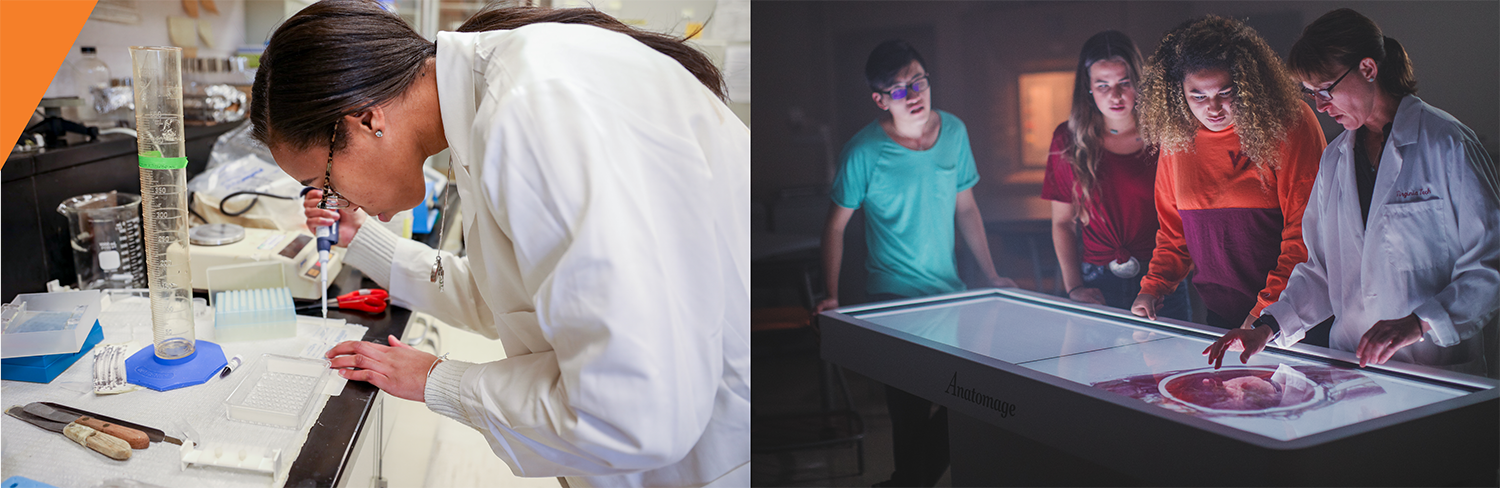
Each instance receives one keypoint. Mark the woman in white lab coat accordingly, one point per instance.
(605, 193)
(1403, 222)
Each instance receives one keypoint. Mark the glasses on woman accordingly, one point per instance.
(1314, 95)
(900, 92)
(331, 197)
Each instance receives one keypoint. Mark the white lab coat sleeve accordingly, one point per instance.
(1472, 296)
(404, 268)
(609, 210)
(1306, 301)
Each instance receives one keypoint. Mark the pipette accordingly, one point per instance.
(327, 235)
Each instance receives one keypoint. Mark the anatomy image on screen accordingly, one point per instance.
(1262, 391)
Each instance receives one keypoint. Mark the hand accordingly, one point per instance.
(829, 303)
(1251, 341)
(350, 221)
(1084, 294)
(399, 370)
(1145, 306)
(1386, 337)
(1002, 282)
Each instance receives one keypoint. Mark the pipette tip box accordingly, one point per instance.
(248, 315)
(44, 369)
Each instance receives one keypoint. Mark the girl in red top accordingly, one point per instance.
(1101, 175)
(1239, 153)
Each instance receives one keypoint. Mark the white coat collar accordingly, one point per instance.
(456, 71)
(1404, 126)
(1407, 122)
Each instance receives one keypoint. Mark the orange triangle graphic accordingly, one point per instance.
(35, 36)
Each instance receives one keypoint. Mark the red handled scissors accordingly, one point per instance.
(369, 300)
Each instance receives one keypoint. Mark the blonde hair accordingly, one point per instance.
(1267, 103)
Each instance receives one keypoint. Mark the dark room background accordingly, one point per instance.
(998, 66)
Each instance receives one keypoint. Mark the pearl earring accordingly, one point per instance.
(379, 134)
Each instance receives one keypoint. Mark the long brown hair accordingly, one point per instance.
(1340, 39)
(1266, 100)
(338, 57)
(1085, 150)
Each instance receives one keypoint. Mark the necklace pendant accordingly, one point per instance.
(437, 272)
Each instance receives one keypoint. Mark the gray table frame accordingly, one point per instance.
(1105, 438)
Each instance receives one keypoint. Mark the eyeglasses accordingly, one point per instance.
(1313, 95)
(332, 198)
(900, 92)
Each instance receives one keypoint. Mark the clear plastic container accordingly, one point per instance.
(50, 323)
(163, 161)
(251, 315)
(251, 302)
(279, 390)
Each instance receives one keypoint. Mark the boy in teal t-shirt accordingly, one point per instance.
(909, 201)
(913, 173)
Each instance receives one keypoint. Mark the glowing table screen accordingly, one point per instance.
(1277, 395)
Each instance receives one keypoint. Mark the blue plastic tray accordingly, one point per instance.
(43, 369)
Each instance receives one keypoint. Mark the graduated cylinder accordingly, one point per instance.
(163, 163)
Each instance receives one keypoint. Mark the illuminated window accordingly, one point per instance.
(1046, 98)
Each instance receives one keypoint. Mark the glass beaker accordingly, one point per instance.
(105, 233)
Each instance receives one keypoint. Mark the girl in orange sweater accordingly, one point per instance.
(1239, 154)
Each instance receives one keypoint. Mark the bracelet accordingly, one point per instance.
(1070, 292)
(435, 362)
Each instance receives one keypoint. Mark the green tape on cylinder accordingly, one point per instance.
(153, 160)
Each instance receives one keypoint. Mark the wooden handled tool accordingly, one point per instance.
(104, 443)
(135, 438)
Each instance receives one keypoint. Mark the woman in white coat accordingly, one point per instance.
(1403, 222)
(605, 193)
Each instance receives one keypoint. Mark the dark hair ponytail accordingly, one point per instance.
(496, 17)
(338, 57)
(1396, 75)
(1340, 39)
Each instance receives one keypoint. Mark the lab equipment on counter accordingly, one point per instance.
(224, 455)
(288, 249)
(105, 234)
(249, 458)
(44, 369)
(45, 333)
(152, 434)
(38, 324)
(234, 363)
(327, 235)
(175, 359)
(249, 315)
(135, 438)
(281, 391)
(251, 302)
(105, 444)
(364, 299)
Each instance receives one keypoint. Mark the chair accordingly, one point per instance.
(829, 425)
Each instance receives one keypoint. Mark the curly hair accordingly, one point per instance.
(1266, 100)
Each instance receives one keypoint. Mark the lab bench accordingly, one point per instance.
(339, 439)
